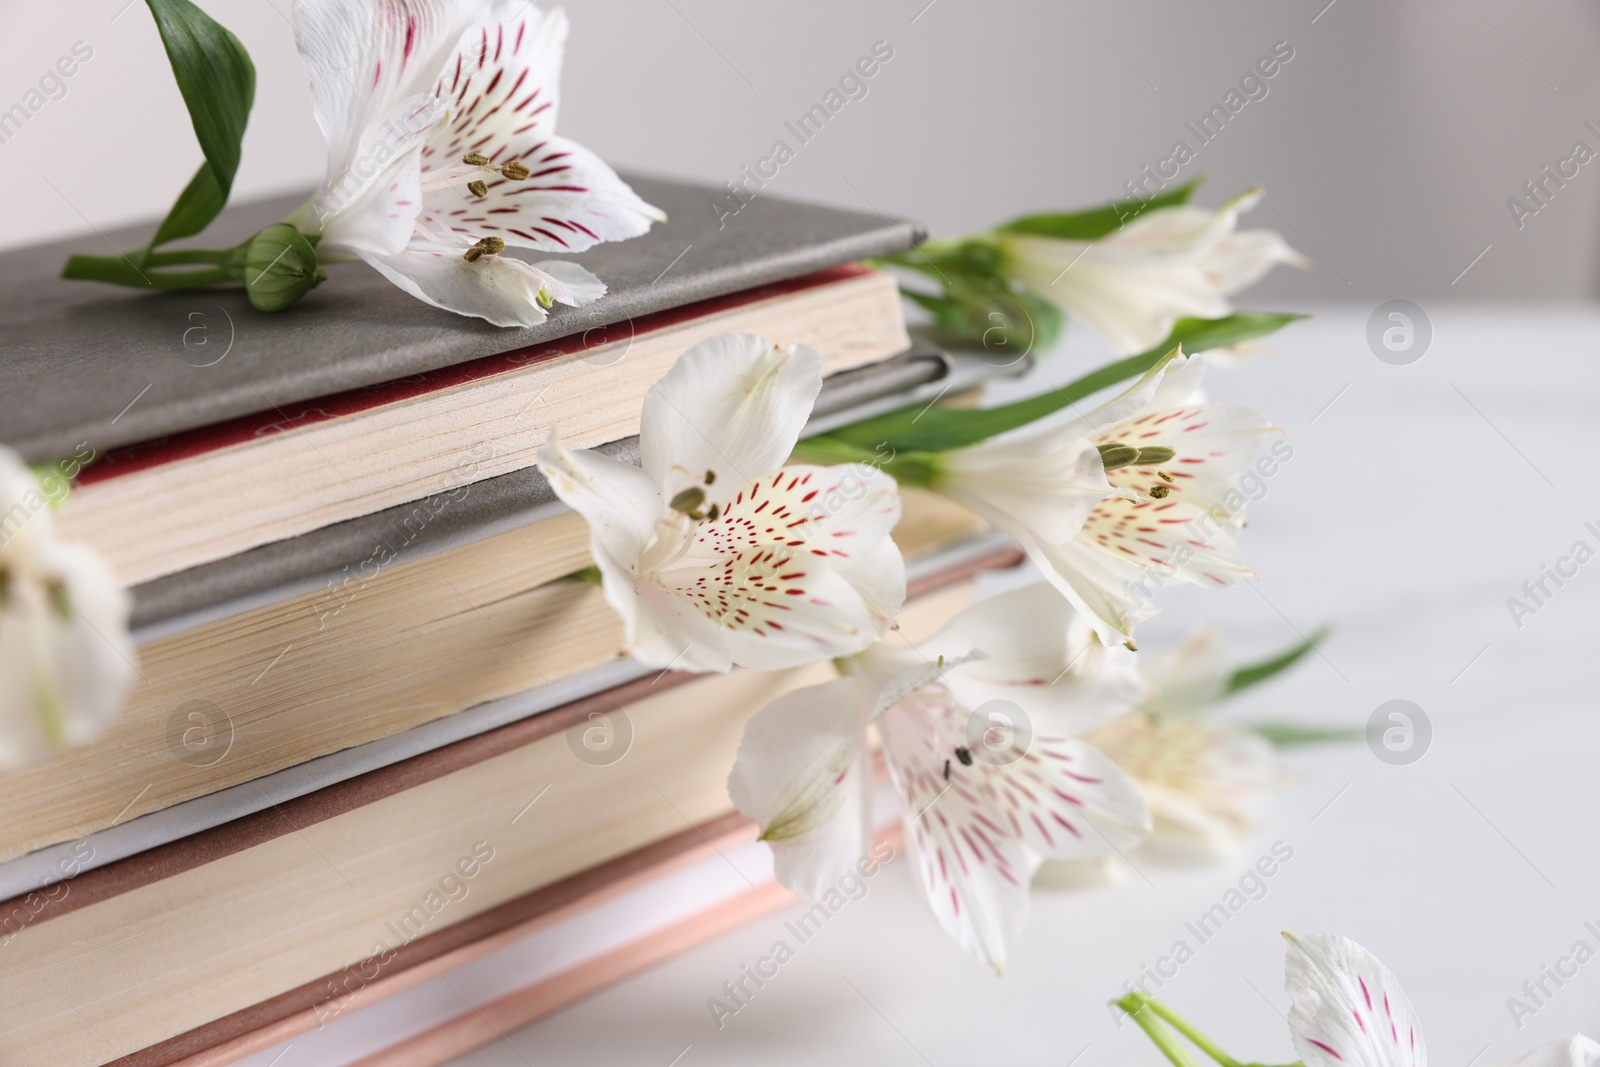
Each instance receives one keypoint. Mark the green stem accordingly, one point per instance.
(119, 271)
(219, 256)
(1188, 1030)
(1134, 1004)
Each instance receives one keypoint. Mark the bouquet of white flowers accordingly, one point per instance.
(1029, 729)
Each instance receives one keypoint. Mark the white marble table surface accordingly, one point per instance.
(1418, 499)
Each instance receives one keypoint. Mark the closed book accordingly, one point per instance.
(409, 620)
(197, 427)
(248, 921)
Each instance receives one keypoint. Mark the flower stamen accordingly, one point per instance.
(688, 501)
(486, 246)
(1116, 455)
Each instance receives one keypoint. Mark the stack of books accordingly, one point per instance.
(380, 743)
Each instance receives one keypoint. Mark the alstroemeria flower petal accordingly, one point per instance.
(505, 86)
(1172, 522)
(803, 774)
(1190, 677)
(787, 579)
(975, 827)
(1055, 664)
(505, 78)
(1348, 1009)
(733, 405)
(1039, 485)
(362, 57)
(1212, 442)
(1206, 781)
(572, 200)
(1095, 583)
(502, 289)
(1241, 259)
(567, 283)
(1043, 483)
(65, 656)
(1132, 285)
(373, 210)
(616, 498)
(622, 507)
(1163, 540)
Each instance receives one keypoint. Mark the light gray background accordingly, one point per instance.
(1388, 146)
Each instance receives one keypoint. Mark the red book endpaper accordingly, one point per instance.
(160, 451)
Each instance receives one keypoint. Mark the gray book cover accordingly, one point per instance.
(84, 363)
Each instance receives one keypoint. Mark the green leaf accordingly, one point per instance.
(201, 201)
(218, 83)
(939, 429)
(1097, 222)
(1245, 677)
(979, 306)
(1288, 734)
(216, 78)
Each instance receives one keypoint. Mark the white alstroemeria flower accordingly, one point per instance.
(1349, 1011)
(715, 554)
(1165, 510)
(979, 733)
(1206, 781)
(65, 657)
(1189, 678)
(1168, 263)
(440, 121)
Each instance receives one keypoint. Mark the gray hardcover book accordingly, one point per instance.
(82, 361)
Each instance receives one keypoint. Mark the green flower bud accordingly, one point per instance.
(280, 267)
